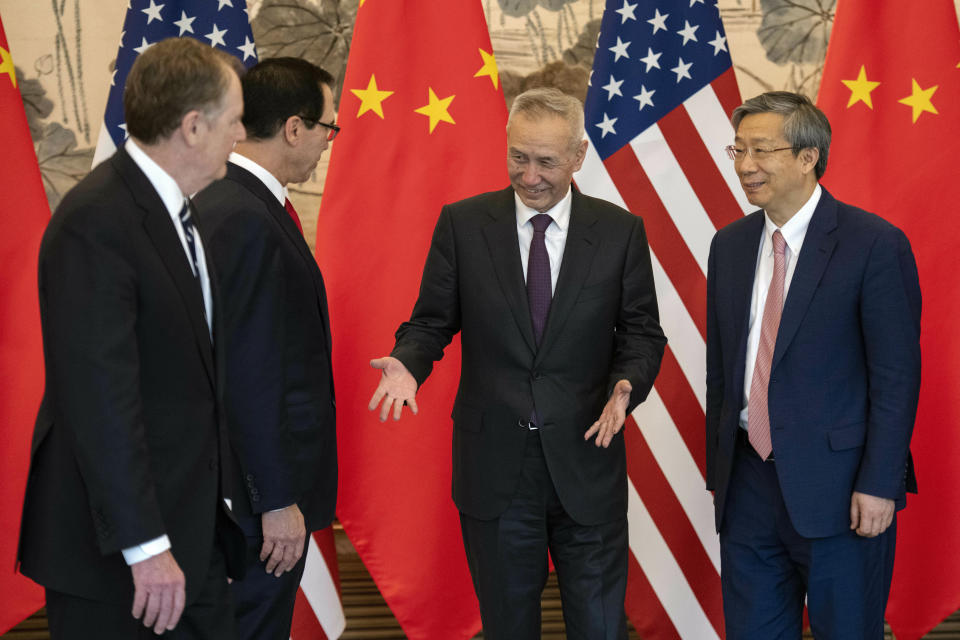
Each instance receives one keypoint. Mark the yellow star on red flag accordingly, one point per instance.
(860, 89)
(371, 98)
(489, 68)
(6, 66)
(919, 100)
(436, 109)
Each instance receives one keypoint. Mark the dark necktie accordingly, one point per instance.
(539, 290)
(293, 213)
(189, 232)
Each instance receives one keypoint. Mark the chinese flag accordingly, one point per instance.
(423, 121)
(25, 213)
(891, 89)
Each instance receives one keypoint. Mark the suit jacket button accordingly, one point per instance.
(537, 375)
(213, 464)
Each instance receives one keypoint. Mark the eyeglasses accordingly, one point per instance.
(759, 154)
(333, 129)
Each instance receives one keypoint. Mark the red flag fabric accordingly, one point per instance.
(891, 89)
(423, 122)
(24, 214)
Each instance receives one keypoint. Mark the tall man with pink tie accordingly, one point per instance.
(813, 375)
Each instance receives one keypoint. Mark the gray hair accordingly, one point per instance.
(548, 101)
(804, 125)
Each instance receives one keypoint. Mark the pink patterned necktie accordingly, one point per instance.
(758, 412)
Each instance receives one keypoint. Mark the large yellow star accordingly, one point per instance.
(489, 68)
(6, 66)
(371, 98)
(920, 100)
(436, 109)
(860, 89)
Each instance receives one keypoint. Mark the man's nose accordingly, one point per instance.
(530, 175)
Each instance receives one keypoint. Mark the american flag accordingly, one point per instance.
(220, 23)
(224, 24)
(657, 119)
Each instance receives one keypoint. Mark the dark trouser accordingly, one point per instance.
(263, 602)
(767, 567)
(209, 617)
(508, 562)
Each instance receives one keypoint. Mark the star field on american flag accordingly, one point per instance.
(220, 23)
(651, 56)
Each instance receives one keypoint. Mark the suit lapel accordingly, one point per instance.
(289, 227)
(818, 245)
(575, 264)
(163, 235)
(743, 264)
(501, 236)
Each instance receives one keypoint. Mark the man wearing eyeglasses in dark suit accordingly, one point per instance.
(813, 375)
(280, 403)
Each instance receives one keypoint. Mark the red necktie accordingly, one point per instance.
(758, 411)
(293, 213)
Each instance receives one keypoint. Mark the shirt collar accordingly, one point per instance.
(268, 179)
(794, 229)
(560, 212)
(162, 182)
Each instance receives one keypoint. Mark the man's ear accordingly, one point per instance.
(809, 157)
(293, 130)
(191, 127)
(580, 155)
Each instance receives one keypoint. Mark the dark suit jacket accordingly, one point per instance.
(603, 326)
(129, 437)
(846, 366)
(280, 402)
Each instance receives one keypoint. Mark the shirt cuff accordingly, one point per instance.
(141, 552)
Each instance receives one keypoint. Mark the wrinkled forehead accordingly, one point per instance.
(760, 127)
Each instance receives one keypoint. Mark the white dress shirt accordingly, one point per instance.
(173, 199)
(555, 236)
(793, 232)
(268, 179)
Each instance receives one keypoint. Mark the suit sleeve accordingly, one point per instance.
(89, 291)
(639, 340)
(890, 322)
(714, 368)
(247, 258)
(436, 314)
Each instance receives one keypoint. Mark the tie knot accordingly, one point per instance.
(779, 244)
(540, 222)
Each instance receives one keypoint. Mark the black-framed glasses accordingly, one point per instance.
(333, 129)
(757, 153)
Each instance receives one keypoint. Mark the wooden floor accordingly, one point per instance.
(369, 618)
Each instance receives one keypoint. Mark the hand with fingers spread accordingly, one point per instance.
(614, 413)
(283, 535)
(397, 387)
(159, 592)
(869, 515)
